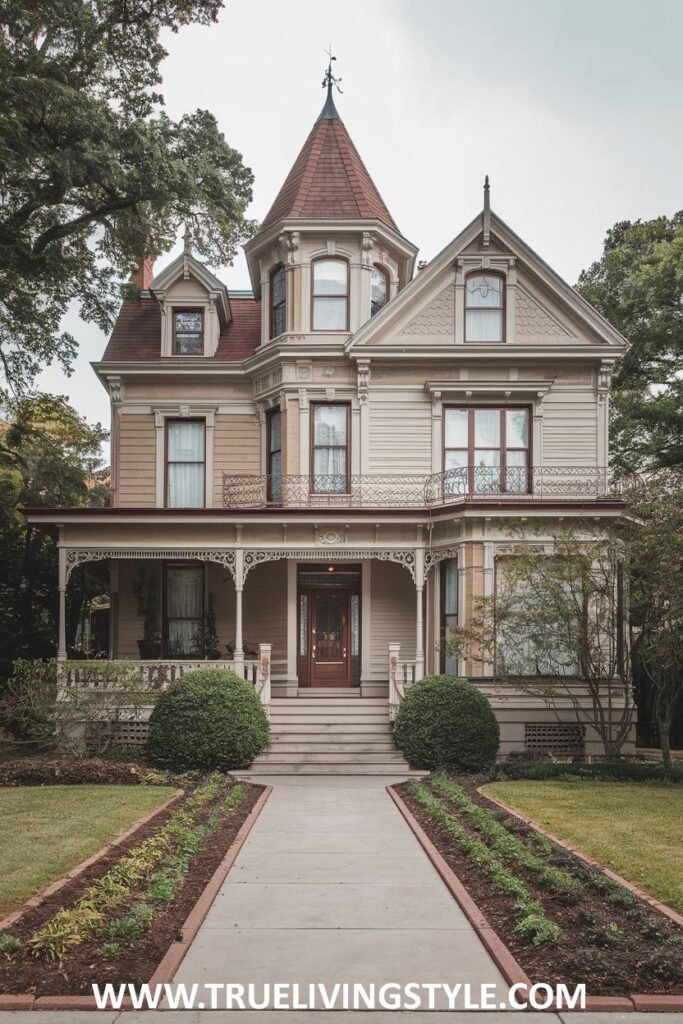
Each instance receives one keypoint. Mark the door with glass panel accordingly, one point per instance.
(486, 451)
(330, 648)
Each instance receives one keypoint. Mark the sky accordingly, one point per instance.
(572, 109)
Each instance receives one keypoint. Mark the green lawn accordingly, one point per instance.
(636, 829)
(46, 830)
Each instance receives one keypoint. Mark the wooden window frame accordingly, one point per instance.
(189, 309)
(313, 446)
(276, 411)
(164, 601)
(502, 447)
(385, 273)
(179, 419)
(327, 330)
(443, 625)
(274, 271)
(503, 308)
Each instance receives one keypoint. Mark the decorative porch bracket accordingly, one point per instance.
(79, 556)
(402, 556)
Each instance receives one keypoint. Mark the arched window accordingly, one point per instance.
(379, 289)
(484, 307)
(278, 301)
(330, 299)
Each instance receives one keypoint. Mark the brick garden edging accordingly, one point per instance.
(176, 952)
(511, 970)
(645, 897)
(53, 887)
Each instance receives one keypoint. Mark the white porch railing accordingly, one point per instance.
(158, 675)
(402, 675)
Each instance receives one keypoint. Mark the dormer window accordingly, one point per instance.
(188, 332)
(484, 305)
(379, 289)
(330, 298)
(278, 301)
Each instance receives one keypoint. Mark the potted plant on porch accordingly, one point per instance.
(146, 592)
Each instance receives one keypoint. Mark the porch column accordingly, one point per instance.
(419, 620)
(61, 629)
(238, 654)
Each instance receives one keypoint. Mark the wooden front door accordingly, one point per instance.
(329, 639)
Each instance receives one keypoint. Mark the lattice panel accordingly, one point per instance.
(555, 738)
(123, 734)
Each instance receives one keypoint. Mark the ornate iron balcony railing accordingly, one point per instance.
(453, 487)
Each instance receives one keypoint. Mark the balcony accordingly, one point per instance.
(452, 487)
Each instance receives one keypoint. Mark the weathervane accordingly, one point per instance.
(329, 80)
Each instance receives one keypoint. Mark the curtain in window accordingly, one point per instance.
(449, 612)
(186, 464)
(330, 449)
(184, 607)
(484, 308)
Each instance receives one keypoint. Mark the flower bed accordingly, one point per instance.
(40, 771)
(117, 920)
(562, 921)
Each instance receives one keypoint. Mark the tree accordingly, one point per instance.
(555, 629)
(49, 457)
(95, 176)
(655, 541)
(637, 285)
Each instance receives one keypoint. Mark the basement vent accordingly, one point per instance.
(555, 738)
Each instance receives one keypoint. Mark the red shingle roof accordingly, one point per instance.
(137, 332)
(329, 179)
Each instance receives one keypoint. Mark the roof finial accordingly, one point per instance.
(487, 213)
(329, 111)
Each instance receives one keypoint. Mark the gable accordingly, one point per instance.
(541, 308)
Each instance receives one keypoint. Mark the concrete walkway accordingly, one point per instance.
(331, 886)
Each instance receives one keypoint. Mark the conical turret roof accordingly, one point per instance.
(329, 180)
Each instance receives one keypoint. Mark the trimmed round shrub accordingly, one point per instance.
(209, 719)
(444, 722)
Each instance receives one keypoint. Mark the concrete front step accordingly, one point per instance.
(329, 728)
(353, 746)
(327, 702)
(299, 768)
(325, 757)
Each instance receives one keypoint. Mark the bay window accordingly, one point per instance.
(330, 449)
(449, 613)
(330, 295)
(484, 307)
(184, 611)
(486, 450)
(185, 463)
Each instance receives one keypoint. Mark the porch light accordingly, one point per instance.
(330, 568)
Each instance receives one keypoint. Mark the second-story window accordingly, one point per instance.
(486, 451)
(274, 456)
(330, 298)
(278, 301)
(185, 463)
(379, 289)
(188, 332)
(330, 449)
(484, 305)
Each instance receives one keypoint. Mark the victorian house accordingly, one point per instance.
(329, 466)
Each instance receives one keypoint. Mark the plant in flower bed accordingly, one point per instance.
(124, 917)
(562, 920)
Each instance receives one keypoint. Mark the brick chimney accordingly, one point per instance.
(144, 275)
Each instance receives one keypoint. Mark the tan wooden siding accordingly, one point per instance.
(137, 460)
(237, 448)
(265, 608)
(570, 428)
(400, 432)
(392, 615)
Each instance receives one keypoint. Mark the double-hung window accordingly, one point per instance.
(330, 295)
(184, 611)
(486, 451)
(484, 307)
(449, 612)
(379, 289)
(188, 332)
(330, 449)
(185, 463)
(274, 456)
(278, 301)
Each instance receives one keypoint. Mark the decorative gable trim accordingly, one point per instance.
(186, 266)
